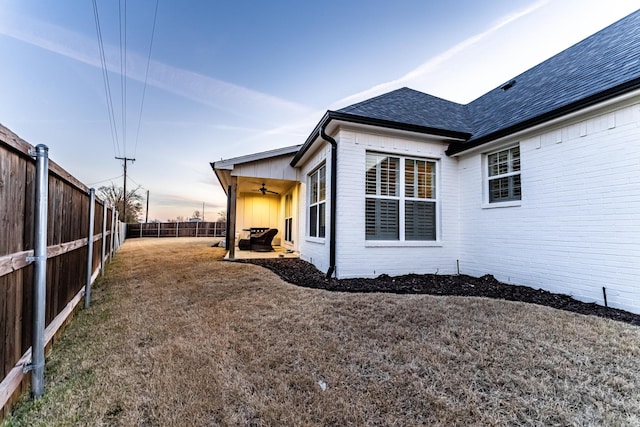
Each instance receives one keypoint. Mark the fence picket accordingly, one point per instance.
(67, 247)
(174, 229)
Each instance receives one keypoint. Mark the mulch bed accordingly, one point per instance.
(302, 273)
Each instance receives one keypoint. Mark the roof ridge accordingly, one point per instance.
(599, 67)
(370, 100)
(599, 33)
(594, 65)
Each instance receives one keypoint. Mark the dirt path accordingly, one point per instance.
(175, 336)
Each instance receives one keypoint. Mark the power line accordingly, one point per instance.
(104, 180)
(137, 183)
(123, 70)
(122, 20)
(107, 86)
(146, 75)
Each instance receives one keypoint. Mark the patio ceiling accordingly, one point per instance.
(252, 185)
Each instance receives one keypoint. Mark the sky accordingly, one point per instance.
(196, 81)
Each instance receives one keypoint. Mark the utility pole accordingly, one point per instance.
(124, 197)
(146, 219)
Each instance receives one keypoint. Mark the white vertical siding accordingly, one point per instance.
(258, 211)
(577, 228)
(276, 168)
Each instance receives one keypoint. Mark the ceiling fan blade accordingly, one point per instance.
(264, 191)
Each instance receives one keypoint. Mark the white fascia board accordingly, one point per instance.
(335, 126)
(230, 163)
(626, 99)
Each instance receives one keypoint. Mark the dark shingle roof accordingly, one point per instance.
(413, 107)
(599, 63)
(604, 65)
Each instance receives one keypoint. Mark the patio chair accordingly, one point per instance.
(259, 242)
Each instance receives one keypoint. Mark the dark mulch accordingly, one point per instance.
(302, 273)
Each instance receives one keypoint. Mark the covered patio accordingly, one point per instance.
(262, 194)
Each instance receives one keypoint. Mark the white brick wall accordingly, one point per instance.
(575, 231)
(315, 251)
(577, 228)
(355, 256)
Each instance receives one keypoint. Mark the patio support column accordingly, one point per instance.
(231, 216)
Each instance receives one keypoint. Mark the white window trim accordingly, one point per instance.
(485, 179)
(308, 236)
(311, 239)
(401, 242)
(404, 243)
(495, 205)
(289, 216)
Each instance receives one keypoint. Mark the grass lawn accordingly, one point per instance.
(175, 336)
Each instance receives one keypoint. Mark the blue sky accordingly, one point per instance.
(229, 78)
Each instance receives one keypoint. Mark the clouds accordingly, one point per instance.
(230, 98)
(415, 78)
(163, 206)
(199, 105)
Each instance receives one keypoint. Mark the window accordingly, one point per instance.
(317, 202)
(420, 205)
(288, 218)
(504, 175)
(400, 198)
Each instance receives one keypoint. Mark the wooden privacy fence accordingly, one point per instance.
(177, 229)
(68, 265)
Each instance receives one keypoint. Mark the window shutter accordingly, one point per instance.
(382, 219)
(321, 219)
(419, 220)
(313, 221)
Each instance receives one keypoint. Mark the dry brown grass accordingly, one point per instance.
(177, 337)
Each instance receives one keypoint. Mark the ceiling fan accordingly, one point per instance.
(264, 190)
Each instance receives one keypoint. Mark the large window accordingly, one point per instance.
(317, 202)
(400, 198)
(503, 175)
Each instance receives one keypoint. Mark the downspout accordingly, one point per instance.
(334, 185)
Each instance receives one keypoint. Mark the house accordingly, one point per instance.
(536, 182)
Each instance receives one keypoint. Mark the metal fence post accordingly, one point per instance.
(104, 237)
(87, 286)
(112, 243)
(40, 270)
(117, 236)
